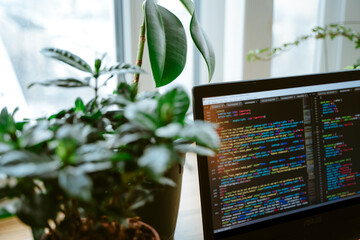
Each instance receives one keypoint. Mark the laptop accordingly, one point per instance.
(289, 162)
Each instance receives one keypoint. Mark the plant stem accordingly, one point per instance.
(140, 52)
(96, 89)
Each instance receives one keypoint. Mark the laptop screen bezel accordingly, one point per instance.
(239, 87)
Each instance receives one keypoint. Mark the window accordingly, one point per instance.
(84, 27)
(292, 19)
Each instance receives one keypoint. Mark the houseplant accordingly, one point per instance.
(80, 173)
(320, 32)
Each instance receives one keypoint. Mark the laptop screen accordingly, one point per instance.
(282, 151)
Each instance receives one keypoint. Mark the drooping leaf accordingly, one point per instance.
(66, 83)
(166, 181)
(142, 113)
(68, 58)
(203, 133)
(119, 100)
(200, 39)
(34, 135)
(203, 44)
(122, 68)
(166, 42)
(169, 131)
(93, 153)
(157, 159)
(155, 35)
(26, 164)
(204, 151)
(176, 47)
(5, 147)
(19, 157)
(79, 132)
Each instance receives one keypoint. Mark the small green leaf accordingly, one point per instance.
(75, 183)
(173, 105)
(142, 113)
(79, 105)
(66, 83)
(122, 68)
(36, 134)
(97, 65)
(157, 159)
(169, 131)
(68, 58)
(202, 133)
(93, 153)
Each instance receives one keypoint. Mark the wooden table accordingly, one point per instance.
(189, 226)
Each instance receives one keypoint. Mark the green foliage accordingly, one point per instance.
(78, 63)
(330, 31)
(167, 42)
(91, 160)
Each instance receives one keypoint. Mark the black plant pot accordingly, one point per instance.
(162, 213)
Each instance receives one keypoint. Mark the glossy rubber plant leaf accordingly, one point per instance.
(166, 42)
(68, 58)
(200, 39)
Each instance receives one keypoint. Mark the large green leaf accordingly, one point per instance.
(26, 164)
(200, 39)
(166, 42)
(68, 58)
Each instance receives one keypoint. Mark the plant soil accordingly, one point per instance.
(136, 230)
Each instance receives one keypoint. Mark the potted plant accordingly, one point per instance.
(82, 172)
(329, 31)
